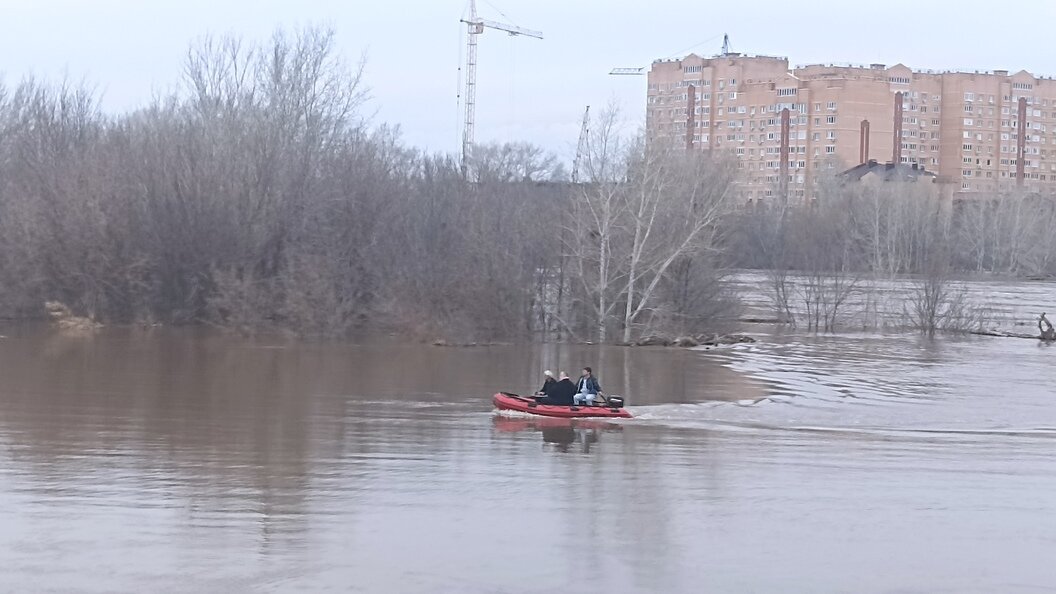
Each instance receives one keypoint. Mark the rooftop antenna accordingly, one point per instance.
(474, 27)
(725, 45)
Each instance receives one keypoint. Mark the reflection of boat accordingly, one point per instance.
(507, 401)
(513, 425)
(560, 433)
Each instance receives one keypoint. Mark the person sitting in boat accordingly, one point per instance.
(561, 393)
(548, 383)
(587, 388)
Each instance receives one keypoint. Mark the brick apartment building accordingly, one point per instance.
(962, 126)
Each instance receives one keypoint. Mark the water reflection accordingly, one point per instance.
(564, 435)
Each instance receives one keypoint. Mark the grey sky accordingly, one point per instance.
(529, 89)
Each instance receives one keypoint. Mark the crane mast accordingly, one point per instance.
(474, 27)
(581, 146)
(472, 30)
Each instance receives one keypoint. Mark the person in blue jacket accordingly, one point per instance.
(587, 388)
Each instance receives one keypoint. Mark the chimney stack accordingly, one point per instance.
(785, 116)
(896, 152)
(1021, 142)
(863, 143)
(691, 105)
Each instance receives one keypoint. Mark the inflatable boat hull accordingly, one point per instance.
(507, 401)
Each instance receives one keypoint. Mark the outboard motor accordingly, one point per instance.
(615, 402)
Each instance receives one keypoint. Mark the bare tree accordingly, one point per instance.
(676, 200)
(594, 219)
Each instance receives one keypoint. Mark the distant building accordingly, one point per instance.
(963, 126)
(888, 172)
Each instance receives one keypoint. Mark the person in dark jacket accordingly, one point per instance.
(587, 388)
(548, 383)
(561, 393)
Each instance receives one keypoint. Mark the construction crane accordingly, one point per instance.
(581, 146)
(641, 71)
(474, 27)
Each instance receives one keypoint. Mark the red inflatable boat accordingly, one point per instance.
(507, 401)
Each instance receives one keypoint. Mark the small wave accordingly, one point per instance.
(513, 414)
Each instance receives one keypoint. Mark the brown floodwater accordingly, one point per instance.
(188, 461)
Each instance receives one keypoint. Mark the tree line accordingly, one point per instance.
(857, 241)
(259, 197)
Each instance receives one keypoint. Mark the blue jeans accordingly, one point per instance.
(584, 397)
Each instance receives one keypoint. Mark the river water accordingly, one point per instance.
(186, 461)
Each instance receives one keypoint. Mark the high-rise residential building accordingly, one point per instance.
(979, 132)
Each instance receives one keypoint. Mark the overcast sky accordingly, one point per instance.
(528, 89)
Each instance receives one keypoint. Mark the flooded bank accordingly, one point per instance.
(186, 461)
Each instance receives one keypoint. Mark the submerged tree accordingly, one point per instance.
(646, 207)
(677, 200)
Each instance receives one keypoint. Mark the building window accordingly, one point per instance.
(787, 92)
(831, 106)
(830, 120)
(830, 150)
